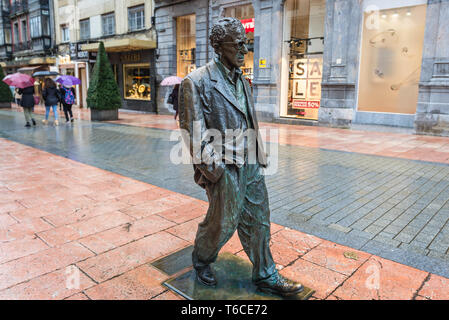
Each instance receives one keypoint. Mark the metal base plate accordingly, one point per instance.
(234, 283)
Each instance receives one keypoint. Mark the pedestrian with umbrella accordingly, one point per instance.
(173, 97)
(51, 97)
(67, 94)
(25, 83)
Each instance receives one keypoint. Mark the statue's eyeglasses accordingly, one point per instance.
(239, 44)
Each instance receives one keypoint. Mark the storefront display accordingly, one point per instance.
(245, 14)
(391, 57)
(136, 81)
(185, 44)
(302, 58)
(135, 75)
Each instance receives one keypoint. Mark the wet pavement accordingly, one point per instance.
(391, 207)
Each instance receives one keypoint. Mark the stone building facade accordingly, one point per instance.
(328, 63)
(126, 27)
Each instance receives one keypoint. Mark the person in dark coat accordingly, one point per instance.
(51, 97)
(27, 103)
(174, 95)
(67, 101)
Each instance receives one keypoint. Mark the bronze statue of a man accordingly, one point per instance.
(216, 96)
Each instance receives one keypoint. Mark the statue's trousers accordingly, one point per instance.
(238, 201)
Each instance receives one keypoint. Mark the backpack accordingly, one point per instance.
(170, 99)
(69, 97)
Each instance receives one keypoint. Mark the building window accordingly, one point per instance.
(2, 37)
(136, 82)
(24, 31)
(185, 44)
(65, 35)
(45, 26)
(84, 29)
(7, 33)
(391, 57)
(136, 18)
(108, 24)
(245, 14)
(16, 33)
(302, 66)
(35, 27)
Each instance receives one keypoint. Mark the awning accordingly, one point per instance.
(25, 69)
(120, 45)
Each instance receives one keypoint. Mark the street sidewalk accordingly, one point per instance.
(389, 144)
(60, 218)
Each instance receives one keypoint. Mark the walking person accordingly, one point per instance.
(67, 94)
(27, 103)
(17, 96)
(174, 97)
(51, 97)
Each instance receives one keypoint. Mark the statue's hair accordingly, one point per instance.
(221, 29)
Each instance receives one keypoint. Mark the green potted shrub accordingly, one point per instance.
(5, 92)
(103, 96)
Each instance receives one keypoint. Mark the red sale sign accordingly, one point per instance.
(302, 104)
(248, 24)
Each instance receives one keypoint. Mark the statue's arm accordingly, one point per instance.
(191, 120)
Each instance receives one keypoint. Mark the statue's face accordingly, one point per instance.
(233, 50)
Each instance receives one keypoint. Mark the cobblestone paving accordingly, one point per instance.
(395, 208)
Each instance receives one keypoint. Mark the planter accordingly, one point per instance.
(103, 115)
(5, 104)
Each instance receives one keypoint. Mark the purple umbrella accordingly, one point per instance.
(68, 80)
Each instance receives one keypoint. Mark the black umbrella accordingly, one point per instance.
(45, 73)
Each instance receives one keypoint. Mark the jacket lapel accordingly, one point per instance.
(250, 103)
(222, 87)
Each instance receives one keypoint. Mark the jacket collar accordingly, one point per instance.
(221, 86)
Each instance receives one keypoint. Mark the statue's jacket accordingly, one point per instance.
(206, 102)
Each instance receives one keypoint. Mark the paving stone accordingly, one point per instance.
(381, 279)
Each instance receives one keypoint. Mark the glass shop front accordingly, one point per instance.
(391, 55)
(302, 58)
(135, 76)
(245, 13)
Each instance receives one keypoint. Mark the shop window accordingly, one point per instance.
(85, 29)
(35, 27)
(185, 44)
(302, 58)
(136, 18)
(108, 24)
(390, 63)
(136, 82)
(245, 14)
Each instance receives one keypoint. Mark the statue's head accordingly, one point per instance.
(228, 38)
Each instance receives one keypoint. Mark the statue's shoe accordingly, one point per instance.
(281, 286)
(206, 276)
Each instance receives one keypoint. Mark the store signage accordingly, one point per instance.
(248, 24)
(77, 53)
(130, 57)
(65, 59)
(262, 63)
(306, 77)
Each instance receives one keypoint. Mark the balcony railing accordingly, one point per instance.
(20, 46)
(18, 7)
